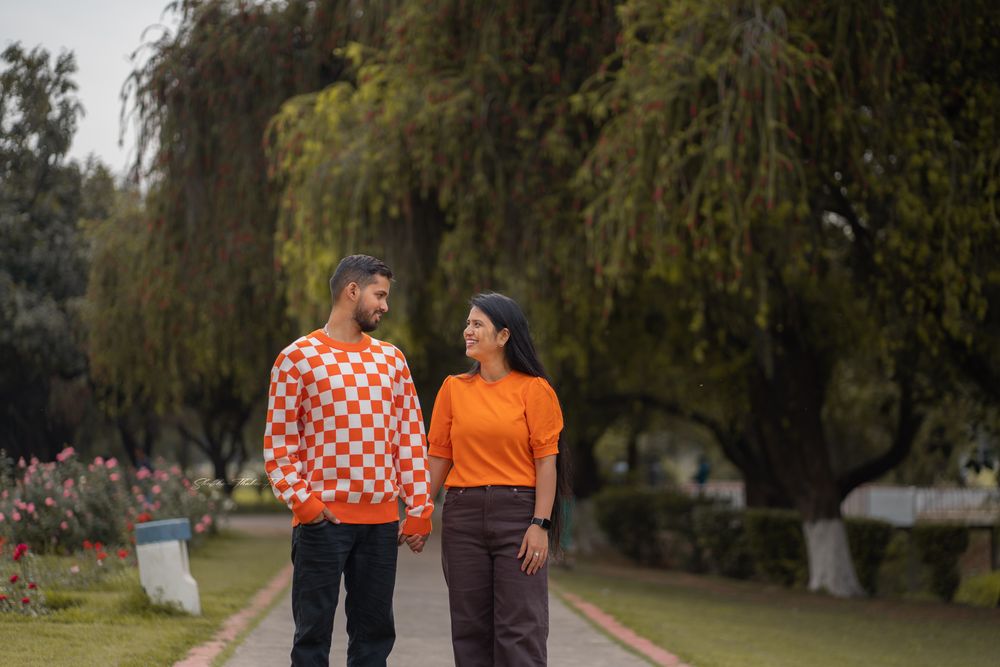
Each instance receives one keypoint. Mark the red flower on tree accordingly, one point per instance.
(20, 550)
(32, 586)
(123, 553)
(25, 600)
(101, 555)
(14, 578)
(87, 545)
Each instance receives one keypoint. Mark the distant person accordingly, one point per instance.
(495, 435)
(344, 438)
(702, 472)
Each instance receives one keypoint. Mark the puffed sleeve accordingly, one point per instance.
(545, 422)
(439, 435)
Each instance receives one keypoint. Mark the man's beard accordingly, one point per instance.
(368, 322)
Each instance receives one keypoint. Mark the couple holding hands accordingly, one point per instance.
(345, 438)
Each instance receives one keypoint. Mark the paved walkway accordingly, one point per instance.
(422, 624)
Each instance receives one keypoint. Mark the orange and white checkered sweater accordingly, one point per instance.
(344, 430)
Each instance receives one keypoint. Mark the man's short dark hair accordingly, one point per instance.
(360, 269)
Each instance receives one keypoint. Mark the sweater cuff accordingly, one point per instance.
(416, 526)
(308, 511)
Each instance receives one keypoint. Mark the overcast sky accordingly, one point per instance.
(102, 34)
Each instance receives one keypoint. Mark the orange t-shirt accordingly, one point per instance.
(494, 431)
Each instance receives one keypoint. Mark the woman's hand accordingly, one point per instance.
(534, 549)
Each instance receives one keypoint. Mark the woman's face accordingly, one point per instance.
(482, 341)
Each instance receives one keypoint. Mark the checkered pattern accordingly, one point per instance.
(346, 426)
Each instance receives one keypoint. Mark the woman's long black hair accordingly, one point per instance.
(521, 356)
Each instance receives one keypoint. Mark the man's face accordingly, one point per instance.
(372, 304)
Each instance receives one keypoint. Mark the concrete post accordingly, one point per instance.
(161, 547)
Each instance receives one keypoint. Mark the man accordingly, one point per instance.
(344, 438)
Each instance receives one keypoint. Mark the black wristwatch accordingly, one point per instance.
(545, 524)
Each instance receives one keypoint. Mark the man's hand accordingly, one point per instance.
(326, 515)
(415, 542)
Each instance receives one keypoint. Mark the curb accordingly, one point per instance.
(203, 655)
(608, 624)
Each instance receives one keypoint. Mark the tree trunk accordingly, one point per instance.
(830, 566)
(787, 392)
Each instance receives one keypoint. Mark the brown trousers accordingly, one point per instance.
(499, 615)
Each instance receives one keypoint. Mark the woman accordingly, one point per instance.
(495, 434)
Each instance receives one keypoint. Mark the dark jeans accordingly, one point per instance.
(499, 615)
(366, 557)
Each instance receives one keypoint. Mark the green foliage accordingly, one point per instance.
(940, 546)
(627, 517)
(980, 591)
(653, 527)
(777, 545)
(722, 539)
(869, 540)
(43, 258)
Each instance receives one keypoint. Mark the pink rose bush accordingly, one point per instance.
(55, 507)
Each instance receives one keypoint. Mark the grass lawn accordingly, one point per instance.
(112, 624)
(251, 501)
(713, 622)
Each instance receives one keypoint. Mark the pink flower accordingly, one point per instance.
(69, 514)
(49, 502)
(21, 463)
(156, 489)
(207, 520)
(68, 484)
(75, 569)
(64, 525)
(200, 528)
(64, 454)
(66, 493)
(99, 461)
(114, 477)
(16, 516)
(142, 474)
(175, 470)
(31, 508)
(111, 463)
(2, 516)
(156, 506)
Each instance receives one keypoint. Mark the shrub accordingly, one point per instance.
(722, 540)
(777, 546)
(56, 507)
(980, 591)
(20, 590)
(940, 546)
(868, 540)
(628, 517)
(653, 527)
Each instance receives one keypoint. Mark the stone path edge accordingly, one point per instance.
(240, 622)
(607, 623)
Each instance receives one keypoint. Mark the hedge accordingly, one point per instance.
(940, 546)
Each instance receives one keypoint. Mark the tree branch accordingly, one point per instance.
(908, 425)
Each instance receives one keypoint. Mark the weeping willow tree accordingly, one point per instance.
(819, 181)
(450, 153)
(751, 214)
(194, 311)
